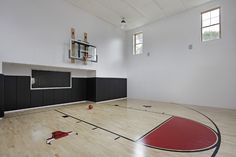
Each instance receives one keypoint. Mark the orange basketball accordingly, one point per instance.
(90, 107)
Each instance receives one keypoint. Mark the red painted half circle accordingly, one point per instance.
(181, 134)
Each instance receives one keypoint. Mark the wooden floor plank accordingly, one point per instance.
(25, 133)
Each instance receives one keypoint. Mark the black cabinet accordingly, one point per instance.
(91, 89)
(10, 98)
(48, 97)
(62, 96)
(110, 88)
(23, 92)
(37, 98)
(1, 95)
(16, 92)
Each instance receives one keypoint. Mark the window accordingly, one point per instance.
(211, 25)
(138, 43)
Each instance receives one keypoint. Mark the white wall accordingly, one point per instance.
(25, 70)
(203, 76)
(38, 32)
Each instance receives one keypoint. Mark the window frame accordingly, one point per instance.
(135, 44)
(210, 24)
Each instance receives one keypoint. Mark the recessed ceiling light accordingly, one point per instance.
(123, 23)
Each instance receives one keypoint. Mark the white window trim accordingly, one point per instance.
(220, 32)
(135, 44)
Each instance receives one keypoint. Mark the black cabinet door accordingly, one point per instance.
(48, 97)
(1, 95)
(110, 88)
(82, 89)
(62, 96)
(91, 89)
(37, 98)
(23, 92)
(10, 97)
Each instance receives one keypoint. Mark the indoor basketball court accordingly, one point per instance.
(122, 78)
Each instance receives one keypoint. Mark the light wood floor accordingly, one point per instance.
(24, 134)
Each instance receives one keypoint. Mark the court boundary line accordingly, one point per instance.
(155, 128)
(218, 133)
(170, 116)
(129, 139)
(162, 113)
(132, 108)
(216, 145)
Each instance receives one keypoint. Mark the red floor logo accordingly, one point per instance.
(57, 135)
(182, 135)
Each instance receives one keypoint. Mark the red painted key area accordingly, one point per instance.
(180, 134)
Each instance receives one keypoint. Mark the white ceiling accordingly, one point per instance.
(136, 12)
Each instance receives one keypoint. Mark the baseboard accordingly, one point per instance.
(99, 102)
(64, 104)
(50, 106)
